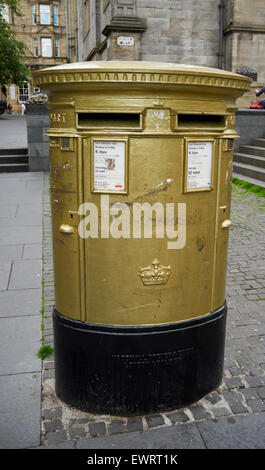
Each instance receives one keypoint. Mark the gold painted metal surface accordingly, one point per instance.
(156, 109)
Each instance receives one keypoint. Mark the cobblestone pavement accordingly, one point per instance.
(242, 392)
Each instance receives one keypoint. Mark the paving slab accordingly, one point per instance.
(26, 274)
(20, 317)
(20, 411)
(240, 432)
(19, 344)
(32, 251)
(27, 196)
(10, 252)
(29, 210)
(11, 189)
(7, 210)
(27, 221)
(185, 436)
(17, 303)
(20, 235)
(21, 178)
(5, 267)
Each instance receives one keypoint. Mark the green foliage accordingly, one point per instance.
(45, 351)
(12, 4)
(249, 187)
(12, 52)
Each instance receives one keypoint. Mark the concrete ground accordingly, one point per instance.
(20, 304)
(13, 131)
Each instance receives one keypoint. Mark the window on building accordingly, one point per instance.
(57, 47)
(35, 47)
(55, 15)
(34, 14)
(5, 15)
(45, 16)
(23, 92)
(46, 47)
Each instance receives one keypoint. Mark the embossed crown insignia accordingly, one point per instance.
(155, 274)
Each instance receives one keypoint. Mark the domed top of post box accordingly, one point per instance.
(140, 73)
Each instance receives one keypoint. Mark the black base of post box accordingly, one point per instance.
(138, 370)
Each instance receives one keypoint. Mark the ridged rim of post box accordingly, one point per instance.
(140, 73)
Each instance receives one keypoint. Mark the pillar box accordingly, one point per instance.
(141, 168)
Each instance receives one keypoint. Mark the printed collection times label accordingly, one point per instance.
(199, 165)
(109, 166)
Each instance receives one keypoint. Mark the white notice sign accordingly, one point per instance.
(109, 166)
(125, 41)
(199, 165)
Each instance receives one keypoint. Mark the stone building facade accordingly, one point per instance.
(218, 33)
(48, 28)
(244, 35)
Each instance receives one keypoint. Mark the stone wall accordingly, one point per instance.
(86, 28)
(195, 32)
(181, 31)
(38, 143)
(184, 31)
(244, 35)
(250, 124)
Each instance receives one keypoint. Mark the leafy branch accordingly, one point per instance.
(12, 52)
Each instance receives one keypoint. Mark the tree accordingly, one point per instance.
(12, 52)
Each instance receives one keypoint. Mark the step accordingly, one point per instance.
(14, 151)
(250, 180)
(253, 160)
(249, 170)
(258, 142)
(13, 159)
(251, 150)
(13, 167)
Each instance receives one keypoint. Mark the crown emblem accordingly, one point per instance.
(155, 274)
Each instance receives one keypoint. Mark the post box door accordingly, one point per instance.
(157, 172)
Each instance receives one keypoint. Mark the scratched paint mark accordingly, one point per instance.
(158, 185)
(200, 243)
(58, 240)
(67, 165)
(139, 306)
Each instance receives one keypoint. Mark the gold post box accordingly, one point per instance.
(141, 166)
